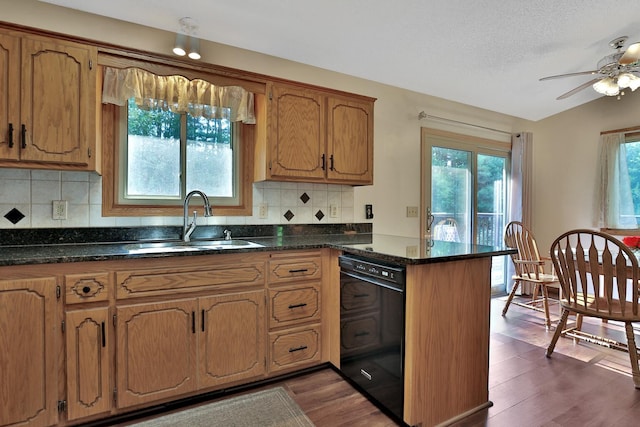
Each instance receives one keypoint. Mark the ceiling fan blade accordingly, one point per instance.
(578, 89)
(631, 55)
(580, 73)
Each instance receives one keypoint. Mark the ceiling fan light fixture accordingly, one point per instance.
(628, 80)
(607, 86)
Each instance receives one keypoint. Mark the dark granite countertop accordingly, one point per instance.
(353, 239)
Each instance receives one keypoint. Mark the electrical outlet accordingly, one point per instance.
(333, 211)
(59, 209)
(263, 211)
(412, 211)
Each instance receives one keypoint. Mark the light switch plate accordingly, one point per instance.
(412, 211)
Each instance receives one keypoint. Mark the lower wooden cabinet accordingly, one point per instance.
(88, 365)
(172, 348)
(156, 351)
(28, 374)
(231, 342)
(295, 310)
(89, 341)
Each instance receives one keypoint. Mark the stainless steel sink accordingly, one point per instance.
(194, 245)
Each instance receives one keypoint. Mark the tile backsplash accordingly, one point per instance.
(26, 201)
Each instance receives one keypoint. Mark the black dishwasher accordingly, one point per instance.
(372, 330)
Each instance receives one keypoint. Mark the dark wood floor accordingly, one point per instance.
(582, 384)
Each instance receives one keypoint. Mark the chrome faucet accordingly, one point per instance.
(187, 230)
(227, 234)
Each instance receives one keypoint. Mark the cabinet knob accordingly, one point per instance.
(86, 289)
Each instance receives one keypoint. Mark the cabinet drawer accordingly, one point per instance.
(356, 296)
(359, 332)
(164, 281)
(301, 266)
(89, 287)
(291, 348)
(293, 305)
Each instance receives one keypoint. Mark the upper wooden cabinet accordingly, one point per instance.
(48, 107)
(315, 136)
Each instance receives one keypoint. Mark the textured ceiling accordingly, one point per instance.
(485, 53)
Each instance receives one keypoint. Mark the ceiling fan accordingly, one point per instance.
(614, 72)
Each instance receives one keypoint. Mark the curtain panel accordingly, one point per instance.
(177, 94)
(521, 195)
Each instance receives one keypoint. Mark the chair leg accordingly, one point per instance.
(578, 327)
(534, 294)
(633, 354)
(516, 284)
(545, 303)
(558, 332)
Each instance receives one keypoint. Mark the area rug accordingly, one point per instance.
(267, 408)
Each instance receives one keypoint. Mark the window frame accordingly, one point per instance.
(111, 206)
(630, 135)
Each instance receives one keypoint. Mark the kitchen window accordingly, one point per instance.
(172, 135)
(619, 192)
(165, 155)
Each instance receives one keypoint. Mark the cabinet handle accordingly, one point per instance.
(302, 347)
(104, 336)
(323, 162)
(10, 135)
(331, 162)
(24, 136)
(203, 320)
(193, 322)
(361, 334)
(299, 270)
(360, 295)
(291, 306)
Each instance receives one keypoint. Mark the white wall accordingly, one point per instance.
(566, 163)
(397, 128)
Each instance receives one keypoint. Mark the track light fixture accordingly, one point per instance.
(186, 41)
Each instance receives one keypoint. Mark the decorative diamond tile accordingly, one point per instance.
(305, 197)
(14, 216)
(288, 215)
(319, 215)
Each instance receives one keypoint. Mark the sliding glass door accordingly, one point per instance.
(465, 192)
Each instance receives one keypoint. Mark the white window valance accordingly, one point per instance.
(177, 94)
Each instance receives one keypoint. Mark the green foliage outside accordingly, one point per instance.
(452, 181)
(633, 167)
(154, 154)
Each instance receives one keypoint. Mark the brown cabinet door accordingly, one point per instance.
(28, 394)
(297, 133)
(88, 365)
(350, 141)
(156, 351)
(9, 97)
(58, 98)
(231, 343)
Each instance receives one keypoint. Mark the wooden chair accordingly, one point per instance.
(599, 278)
(529, 268)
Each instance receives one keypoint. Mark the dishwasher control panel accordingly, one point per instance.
(373, 268)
